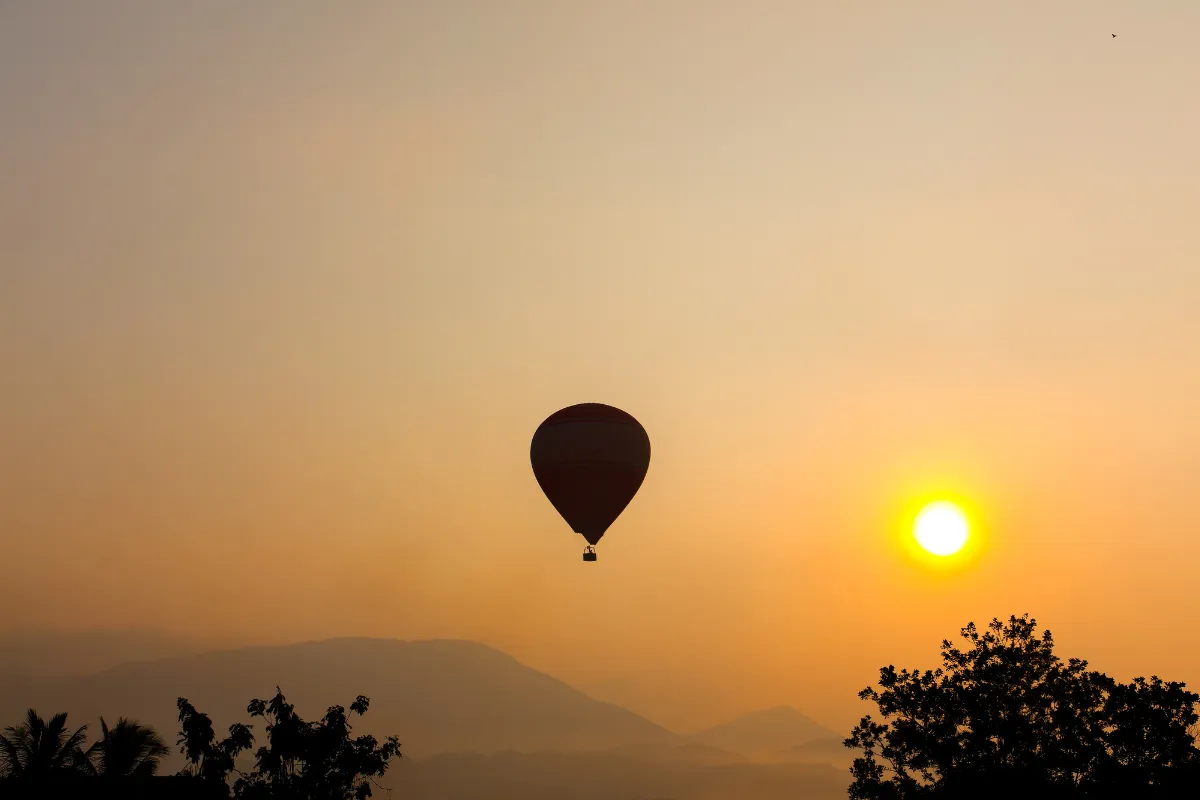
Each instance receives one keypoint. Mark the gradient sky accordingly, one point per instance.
(285, 288)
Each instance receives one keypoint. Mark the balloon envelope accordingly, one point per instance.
(590, 460)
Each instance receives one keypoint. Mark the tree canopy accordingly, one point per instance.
(126, 750)
(300, 761)
(1004, 714)
(37, 749)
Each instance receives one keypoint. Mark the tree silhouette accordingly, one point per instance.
(127, 750)
(1006, 715)
(207, 758)
(301, 760)
(36, 749)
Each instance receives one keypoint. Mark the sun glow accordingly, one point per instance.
(941, 528)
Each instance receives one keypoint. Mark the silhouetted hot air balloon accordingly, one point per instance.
(590, 460)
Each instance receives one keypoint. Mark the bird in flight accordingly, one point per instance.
(1114, 36)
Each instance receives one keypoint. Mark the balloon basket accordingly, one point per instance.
(589, 554)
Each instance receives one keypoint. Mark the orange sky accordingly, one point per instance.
(285, 290)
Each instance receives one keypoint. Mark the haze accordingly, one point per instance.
(285, 288)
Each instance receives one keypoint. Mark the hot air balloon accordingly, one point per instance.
(590, 460)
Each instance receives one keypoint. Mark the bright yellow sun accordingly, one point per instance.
(941, 528)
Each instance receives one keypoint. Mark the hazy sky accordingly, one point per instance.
(286, 287)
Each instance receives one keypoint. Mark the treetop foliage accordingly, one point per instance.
(300, 761)
(1004, 713)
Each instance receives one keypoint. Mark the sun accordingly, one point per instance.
(941, 528)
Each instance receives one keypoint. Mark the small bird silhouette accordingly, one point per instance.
(1114, 36)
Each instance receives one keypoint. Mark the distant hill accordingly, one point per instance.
(60, 653)
(827, 746)
(437, 696)
(764, 733)
(602, 776)
(819, 751)
(688, 753)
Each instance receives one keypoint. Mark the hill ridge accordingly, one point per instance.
(764, 732)
(438, 695)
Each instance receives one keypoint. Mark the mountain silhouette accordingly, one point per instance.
(764, 733)
(473, 721)
(687, 753)
(830, 750)
(61, 653)
(437, 696)
(605, 775)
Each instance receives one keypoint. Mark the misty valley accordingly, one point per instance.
(472, 722)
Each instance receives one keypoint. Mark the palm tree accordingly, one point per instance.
(37, 749)
(126, 750)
